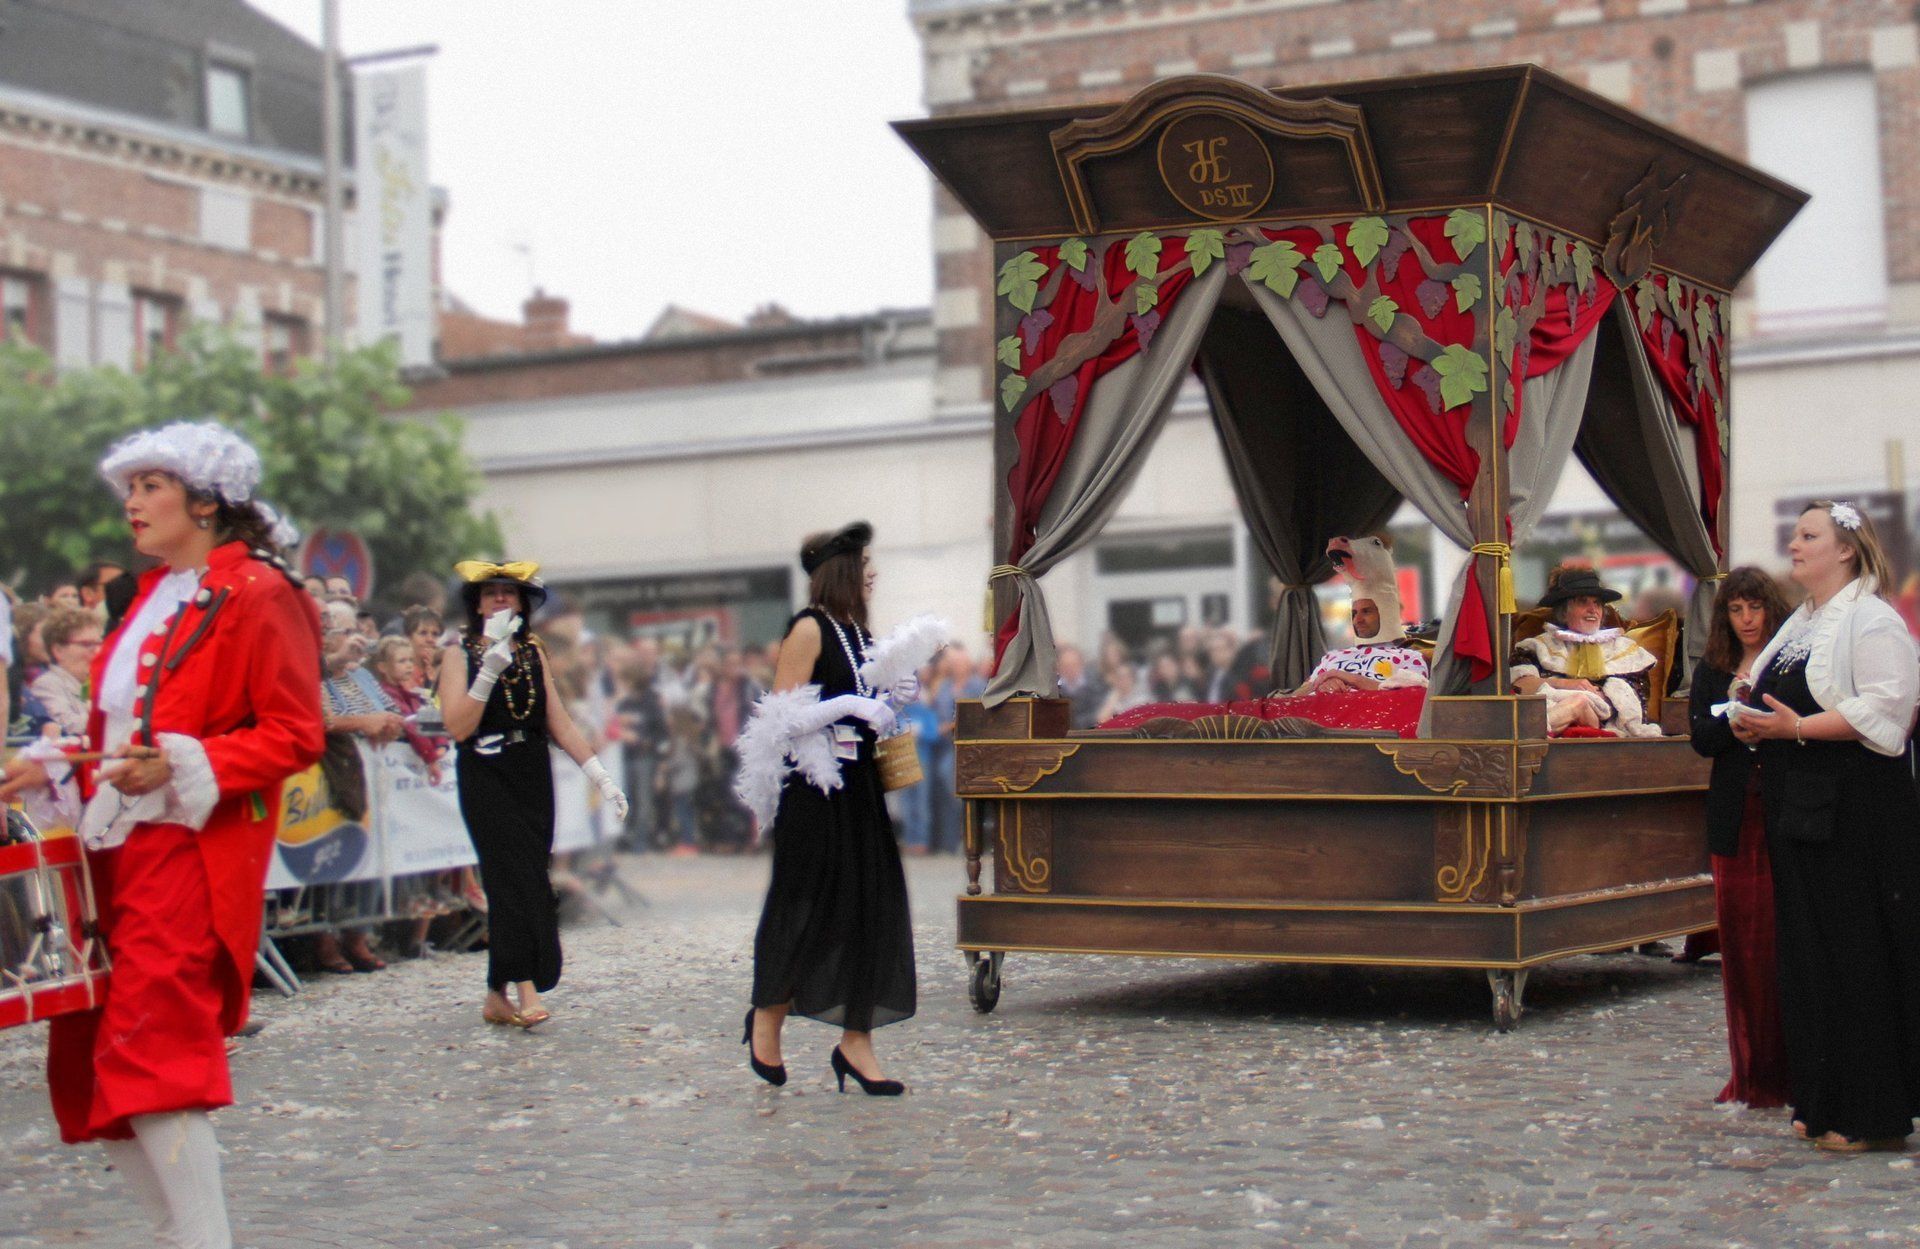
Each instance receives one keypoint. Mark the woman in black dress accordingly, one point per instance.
(834, 942)
(1832, 712)
(1747, 612)
(499, 703)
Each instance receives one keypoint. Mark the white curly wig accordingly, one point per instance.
(206, 456)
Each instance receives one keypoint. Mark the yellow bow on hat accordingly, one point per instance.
(472, 570)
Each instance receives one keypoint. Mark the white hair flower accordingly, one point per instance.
(1844, 515)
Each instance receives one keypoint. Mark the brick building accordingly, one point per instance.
(1825, 95)
(160, 163)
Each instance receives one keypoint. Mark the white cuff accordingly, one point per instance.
(193, 792)
(1880, 734)
(596, 771)
(482, 688)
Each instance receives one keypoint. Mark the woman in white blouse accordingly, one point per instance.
(1831, 712)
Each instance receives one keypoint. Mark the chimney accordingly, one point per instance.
(546, 317)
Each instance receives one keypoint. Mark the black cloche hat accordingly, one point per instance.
(854, 537)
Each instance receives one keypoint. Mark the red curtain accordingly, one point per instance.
(1672, 360)
(1046, 426)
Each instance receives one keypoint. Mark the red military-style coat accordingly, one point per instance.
(237, 669)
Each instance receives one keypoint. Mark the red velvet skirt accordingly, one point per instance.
(1749, 970)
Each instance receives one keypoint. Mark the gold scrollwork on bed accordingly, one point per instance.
(1490, 770)
(1012, 768)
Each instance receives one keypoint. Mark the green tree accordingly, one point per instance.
(333, 453)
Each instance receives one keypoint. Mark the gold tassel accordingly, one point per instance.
(1503, 553)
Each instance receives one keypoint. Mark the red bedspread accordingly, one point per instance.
(1395, 711)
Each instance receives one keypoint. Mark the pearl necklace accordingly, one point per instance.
(860, 685)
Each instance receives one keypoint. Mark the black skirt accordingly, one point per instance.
(507, 802)
(1843, 830)
(835, 940)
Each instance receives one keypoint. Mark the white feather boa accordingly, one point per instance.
(904, 652)
(773, 743)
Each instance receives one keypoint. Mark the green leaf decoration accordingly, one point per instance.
(1466, 292)
(1504, 329)
(1582, 265)
(1020, 280)
(1008, 351)
(1524, 243)
(1327, 259)
(1463, 374)
(1276, 266)
(1703, 325)
(1382, 311)
(1073, 254)
(1143, 253)
(1145, 296)
(1204, 247)
(1646, 301)
(1366, 237)
(1467, 228)
(1012, 386)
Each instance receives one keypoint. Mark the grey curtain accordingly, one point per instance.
(1330, 357)
(1636, 450)
(1122, 416)
(1299, 479)
(1552, 405)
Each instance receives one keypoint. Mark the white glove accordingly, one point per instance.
(873, 710)
(876, 712)
(498, 657)
(597, 773)
(904, 691)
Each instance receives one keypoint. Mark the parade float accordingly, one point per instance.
(1432, 290)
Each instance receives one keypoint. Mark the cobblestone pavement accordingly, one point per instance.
(1107, 1102)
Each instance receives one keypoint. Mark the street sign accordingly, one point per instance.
(338, 553)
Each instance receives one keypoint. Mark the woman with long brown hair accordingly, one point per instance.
(1747, 611)
(835, 942)
(1831, 713)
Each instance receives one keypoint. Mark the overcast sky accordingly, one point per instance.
(716, 154)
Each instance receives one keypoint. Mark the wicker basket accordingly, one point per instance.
(899, 761)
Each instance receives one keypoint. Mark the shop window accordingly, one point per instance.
(156, 325)
(229, 110)
(1828, 269)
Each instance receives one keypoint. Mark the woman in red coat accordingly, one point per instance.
(204, 700)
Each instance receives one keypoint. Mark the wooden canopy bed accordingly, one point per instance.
(1432, 290)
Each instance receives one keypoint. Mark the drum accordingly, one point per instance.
(51, 962)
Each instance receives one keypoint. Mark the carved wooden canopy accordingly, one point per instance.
(1208, 148)
(1202, 149)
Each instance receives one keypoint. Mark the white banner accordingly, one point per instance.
(393, 210)
(418, 821)
(580, 820)
(412, 825)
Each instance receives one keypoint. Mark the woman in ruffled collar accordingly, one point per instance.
(1593, 675)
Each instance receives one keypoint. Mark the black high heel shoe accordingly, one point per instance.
(872, 1088)
(774, 1074)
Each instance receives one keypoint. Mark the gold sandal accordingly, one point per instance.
(511, 1018)
(533, 1018)
(1835, 1143)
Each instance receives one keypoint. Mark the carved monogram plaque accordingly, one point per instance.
(1216, 166)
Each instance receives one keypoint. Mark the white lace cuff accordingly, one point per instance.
(193, 792)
